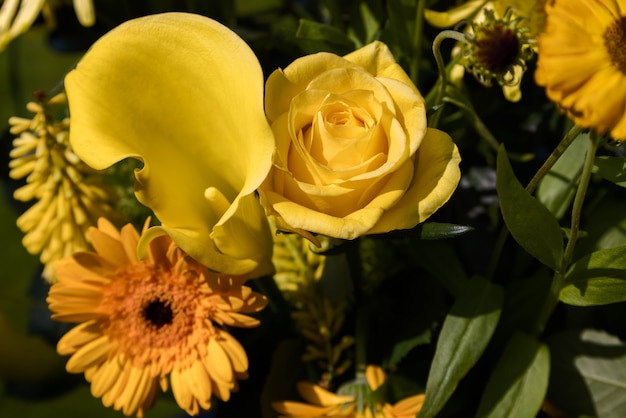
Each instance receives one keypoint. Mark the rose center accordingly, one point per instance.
(344, 117)
(497, 48)
(158, 313)
(615, 42)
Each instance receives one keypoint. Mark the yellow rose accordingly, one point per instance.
(353, 153)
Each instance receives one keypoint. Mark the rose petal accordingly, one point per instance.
(436, 177)
(284, 85)
(183, 94)
(378, 60)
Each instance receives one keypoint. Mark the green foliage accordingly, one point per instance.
(436, 230)
(589, 373)
(486, 326)
(315, 37)
(530, 223)
(598, 278)
(612, 169)
(466, 331)
(557, 189)
(518, 385)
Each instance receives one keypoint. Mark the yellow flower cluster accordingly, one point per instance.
(69, 196)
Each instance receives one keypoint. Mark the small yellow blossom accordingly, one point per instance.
(69, 196)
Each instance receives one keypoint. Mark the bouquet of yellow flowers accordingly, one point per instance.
(370, 208)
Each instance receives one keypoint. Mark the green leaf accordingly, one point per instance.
(465, 333)
(558, 188)
(598, 278)
(532, 225)
(518, 385)
(315, 37)
(612, 169)
(402, 348)
(365, 27)
(435, 230)
(588, 374)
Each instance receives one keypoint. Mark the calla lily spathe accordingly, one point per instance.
(184, 95)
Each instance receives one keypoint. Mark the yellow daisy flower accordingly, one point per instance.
(142, 320)
(355, 400)
(582, 62)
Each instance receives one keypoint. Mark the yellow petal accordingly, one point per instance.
(90, 354)
(436, 177)
(183, 94)
(410, 406)
(317, 395)
(375, 376)
(79, 336)
(105, 377)
(454, 15)
(378, 60)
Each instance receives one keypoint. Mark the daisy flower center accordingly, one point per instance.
(615, 42)
(497, 48)
(156, 316)
(158, 312)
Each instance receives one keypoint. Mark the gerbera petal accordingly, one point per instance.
(105, 377)
(109, 248)
(88, 355)
(319, 396)
(78, 336)
(235, 351)
(183, 94)
(375, 376)
(136, 391)
(111, 396)
(182, 393)
(200, 384)
(217, 362)
(410, 406)
(299, 409)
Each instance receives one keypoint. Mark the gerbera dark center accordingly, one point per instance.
(158, 313)
(497, 48)
(615, 42)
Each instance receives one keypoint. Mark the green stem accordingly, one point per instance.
(417, 40)
(579, 199)
(441, 67)
(530, 188)
(554, 156)
(559, 276)
(353, 257)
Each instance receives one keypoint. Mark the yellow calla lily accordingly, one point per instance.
(184, 95)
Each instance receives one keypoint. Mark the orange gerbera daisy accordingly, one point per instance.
(354, 400)
(142, 320)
